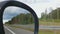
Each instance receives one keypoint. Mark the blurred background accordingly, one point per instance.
(48, 12)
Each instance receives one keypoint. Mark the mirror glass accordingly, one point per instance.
(17, 20)
(49, 23)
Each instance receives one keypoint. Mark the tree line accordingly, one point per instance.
(54, 14)
(22, 19)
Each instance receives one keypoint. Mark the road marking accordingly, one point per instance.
(9, 30)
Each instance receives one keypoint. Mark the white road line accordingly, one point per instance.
(9, 30)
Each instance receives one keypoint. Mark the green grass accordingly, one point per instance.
(49, 32)
(50, 22)
(22, 28)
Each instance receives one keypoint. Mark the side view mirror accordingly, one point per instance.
(21, 19)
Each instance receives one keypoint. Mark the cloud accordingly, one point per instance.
(38, 6)
(11, 11)
(5, 21)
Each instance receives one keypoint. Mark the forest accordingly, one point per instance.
(22, 19)
(53, 15)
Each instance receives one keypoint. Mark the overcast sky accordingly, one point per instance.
(12, 11)
(40, 6)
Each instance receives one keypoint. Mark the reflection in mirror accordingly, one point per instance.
(18, 21)
(49, 23)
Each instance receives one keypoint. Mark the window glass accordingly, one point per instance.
(18, 21)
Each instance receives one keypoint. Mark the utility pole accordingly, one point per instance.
(45, 14)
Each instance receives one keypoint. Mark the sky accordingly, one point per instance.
(39, 6)
(11, 12)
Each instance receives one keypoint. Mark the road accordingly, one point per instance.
(40, 27)
(22, 31)
(7, 31)
(49, 27)
(10, 30)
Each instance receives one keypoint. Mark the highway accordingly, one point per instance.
(40, 27)
(10, 30)
(7, 31)
(49, 27)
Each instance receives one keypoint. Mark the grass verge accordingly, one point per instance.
(22, 28)
(42, 31)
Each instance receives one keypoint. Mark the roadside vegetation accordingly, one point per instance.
(46, 31)
(21, 27)
(49, 22)
(22, 19)
(52, 18)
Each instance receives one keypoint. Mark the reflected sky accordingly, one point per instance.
(11, 11)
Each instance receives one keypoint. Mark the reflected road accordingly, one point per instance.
(10, 30)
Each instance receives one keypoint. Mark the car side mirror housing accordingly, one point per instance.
(6, 4)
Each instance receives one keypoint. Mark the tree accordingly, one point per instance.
(22, 19)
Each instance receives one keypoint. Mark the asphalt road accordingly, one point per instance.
(40, 27)
(49, 27)
(7, 32)
(10, 30)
